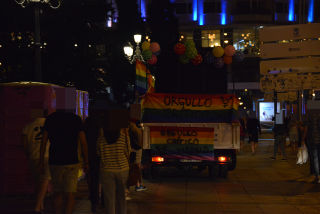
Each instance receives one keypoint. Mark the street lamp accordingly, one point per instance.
(128, 50)
(54, 4)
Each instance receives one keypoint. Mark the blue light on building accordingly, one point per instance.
(223, 18)
(200, 12)
(195, 10)
(310, 11)
(143, 9)
(291, 11)
(275, 16)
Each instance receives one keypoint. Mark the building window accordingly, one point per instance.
(246, 40)
(182, 8)
(212, 7)
(210, 38)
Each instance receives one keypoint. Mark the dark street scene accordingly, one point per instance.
(160, 106)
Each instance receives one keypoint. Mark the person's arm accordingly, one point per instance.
(84, 148)
(43, 147)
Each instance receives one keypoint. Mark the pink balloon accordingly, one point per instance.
(154, 47)
(229, 50)
(153, 60)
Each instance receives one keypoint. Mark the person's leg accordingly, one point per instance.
(275, 146)
(316, 162)
(283, 147)
(69, 202)
(109, 191)
(121, 183)
(57, 202)
(41, 195)
(93, 184)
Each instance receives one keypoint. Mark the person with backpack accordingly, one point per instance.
(31, 140)
(136, 142)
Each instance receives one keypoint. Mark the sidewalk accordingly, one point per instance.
(23, 204)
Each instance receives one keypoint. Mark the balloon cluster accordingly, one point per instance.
(225, 55)
(150, 51)
(187, 52)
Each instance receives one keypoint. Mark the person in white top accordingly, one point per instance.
(31, 139)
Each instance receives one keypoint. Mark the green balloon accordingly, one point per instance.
(183, 59)
(147, 54)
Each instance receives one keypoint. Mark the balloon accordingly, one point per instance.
(191, 52)
(183, 59)
(153, 60)
(238, 56)
(227, 60)
(154, 47)
(218, 51)
(179, 48)
(197, 60)
(229, 50)
(147, 54)
(145, 45)
(218, 62)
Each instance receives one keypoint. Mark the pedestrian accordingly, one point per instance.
(113, 149)
(136, 142)
(253, 129)
(312, 134)
(64, 128)
(243, 130)
(293, 132)
(91, 126)
(31, 139)
(280, 133)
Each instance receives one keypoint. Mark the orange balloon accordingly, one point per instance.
(227, 60)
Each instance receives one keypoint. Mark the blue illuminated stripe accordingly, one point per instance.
(195, 10)
(200, 12)
(276, 17)
(310, 11)
(172, 1)
(291, 11)
(223, 18)
(143, 9)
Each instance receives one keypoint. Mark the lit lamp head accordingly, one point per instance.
(137, 38)
(128, 51)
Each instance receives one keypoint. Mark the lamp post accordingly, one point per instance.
(36, 3)
(128, 50)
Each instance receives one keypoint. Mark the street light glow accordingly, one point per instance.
(128, 50)
(137, 38)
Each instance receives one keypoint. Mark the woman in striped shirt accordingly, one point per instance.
(114, 149)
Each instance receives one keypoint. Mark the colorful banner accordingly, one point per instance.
(181, 139)
(188, 108)
(141, 77)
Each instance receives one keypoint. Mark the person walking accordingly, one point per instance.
(293, 133)
(31, 140)
(136, 142)
(280, 133)
(64, 129)
(113, 149)
(253, 129)
(312, 135)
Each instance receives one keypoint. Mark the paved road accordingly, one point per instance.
(257, 185)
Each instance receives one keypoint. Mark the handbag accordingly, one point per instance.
(134, 174)
(302, 155)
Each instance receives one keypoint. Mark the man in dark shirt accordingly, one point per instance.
(64, 130)
(253, 128)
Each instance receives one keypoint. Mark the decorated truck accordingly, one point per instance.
(190, 130)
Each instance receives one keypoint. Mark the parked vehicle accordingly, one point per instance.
(186, 130)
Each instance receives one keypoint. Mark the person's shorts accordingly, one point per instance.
(293, 137)
(34, 166)
(138, 156)
(64, 177)
(253, 138)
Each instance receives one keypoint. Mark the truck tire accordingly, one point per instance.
(233, 163)
(213, 171)
(223, 171)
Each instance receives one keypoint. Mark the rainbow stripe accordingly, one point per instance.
(188, 108)
(181, 139)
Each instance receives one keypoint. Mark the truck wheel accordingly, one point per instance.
(223, 171)
(154, 172)
(146, 173)
(213, 171)
(233, 163)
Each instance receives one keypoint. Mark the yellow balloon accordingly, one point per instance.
(145, 45)
(218, 51)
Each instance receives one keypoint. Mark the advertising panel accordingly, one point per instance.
(266, 111)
